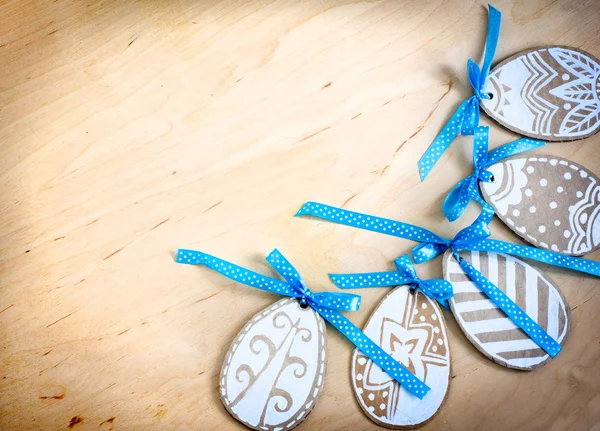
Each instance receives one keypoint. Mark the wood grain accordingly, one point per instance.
(131, 128)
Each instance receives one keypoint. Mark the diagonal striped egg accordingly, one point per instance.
(411, 328)
(550, 202)
(274, 370)
(550, 93)
(489, 329)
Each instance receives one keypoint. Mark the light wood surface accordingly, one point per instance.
(132, 128)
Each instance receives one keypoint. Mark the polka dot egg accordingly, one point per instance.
(550, 202)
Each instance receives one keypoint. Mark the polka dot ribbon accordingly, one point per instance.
(439, 290)
(473, 237)
(512, 310)
(466, 190)
(326, 304)
(466, 117)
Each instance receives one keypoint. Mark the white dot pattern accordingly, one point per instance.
(292, 288)
(440, 290)
(463, 240)
(368, 222)
(466, 190)
(474, 238)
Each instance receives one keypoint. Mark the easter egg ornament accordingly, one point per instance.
(274, 370)
(548, 201)
(411, 328)
(489, 329)
(550, 93)
(530, 319)
(409, 325)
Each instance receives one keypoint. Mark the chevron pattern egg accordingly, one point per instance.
(550, 93)
(487, 327)
(550, 202)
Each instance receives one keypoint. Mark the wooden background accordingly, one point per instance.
(131, 128)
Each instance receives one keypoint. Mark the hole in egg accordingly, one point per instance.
(491, 96)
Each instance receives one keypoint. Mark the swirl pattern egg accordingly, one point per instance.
(274, 370)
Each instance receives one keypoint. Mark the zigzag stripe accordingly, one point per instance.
(540, 75)
(538, 86)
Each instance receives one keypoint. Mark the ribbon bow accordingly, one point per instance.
(466, 239)
(466, 117)
(467, 189)
(439, 290)
(326, 304)
(475, 238)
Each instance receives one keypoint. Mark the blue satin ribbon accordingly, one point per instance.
(439, 290)
(473, 237)
(467, 189)
(466, 117)
(327, 304)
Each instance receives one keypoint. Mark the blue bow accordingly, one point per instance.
(466, 117)
(474, 238)
(467, 189)
(439, 290)
(326, 304)
(466, 239)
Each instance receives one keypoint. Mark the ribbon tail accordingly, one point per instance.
(487, 211)
(471, 118)
(491, 43)
(234, 272)
(367, 222)
(456, 202)
(337, 301)
(382, 359)
(512, 310)
(545, 256)
(513, 148)
(442, 141)
(369, 279)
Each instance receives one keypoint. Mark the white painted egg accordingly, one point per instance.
(487, 326)
(410, 327)
(550, 93)
(274, 370)
(550, 202)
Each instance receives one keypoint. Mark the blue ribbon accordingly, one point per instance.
(473, 237)
(468, 189)
(466, 117)
(327, 304)
(439, 290)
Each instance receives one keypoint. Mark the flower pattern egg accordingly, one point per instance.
(549, 93)
(275, 368)
(489, 329)
(411, 328)
(550, 202)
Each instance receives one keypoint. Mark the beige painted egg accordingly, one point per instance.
(487, 326)
(550, 93)
(274, 370)
(411, 328)
(550, 202)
